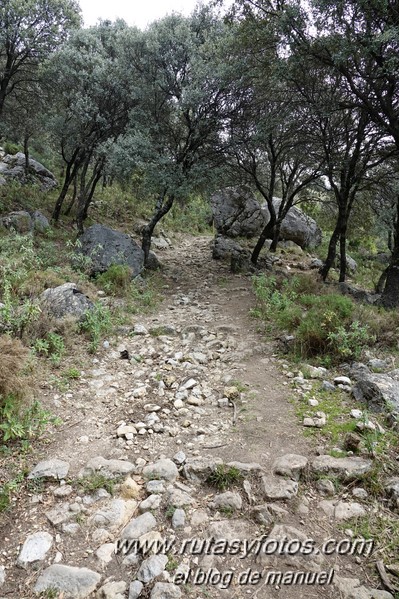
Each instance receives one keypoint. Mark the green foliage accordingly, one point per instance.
(323, 325)
(97, 322)
(11, 148)
(224, 477)
(16, 317)
(30, 31)
(349, 342)
(18, 424)
(116, 279)
(52, 346)
(90, 484)
(79, 261)
(7, 489)
(194, 216)
(72, 373)
(143, 296)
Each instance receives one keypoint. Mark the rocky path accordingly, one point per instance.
(199, 394)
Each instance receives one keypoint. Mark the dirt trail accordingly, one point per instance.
(209, 337)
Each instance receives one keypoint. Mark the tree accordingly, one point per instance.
(360, 41)
(92, 99)
(182, 105)
(347, 140)
(30, 30)
(267, 140)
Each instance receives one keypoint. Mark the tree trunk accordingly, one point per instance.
(342, 252)
(332, 251)
(70, 173)
(26, 152)
(267, 233)
(74, 196)
(390, 295)
(276, 236)
(161, 209)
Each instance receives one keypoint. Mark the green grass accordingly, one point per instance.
(324, 325)
(224, 477)
(90, 484)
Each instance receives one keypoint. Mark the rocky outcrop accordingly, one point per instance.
(237, 213)
(65, 301)
(12, 166)
(380, 392)
(23, 222)
(297, 226)
(105, 247)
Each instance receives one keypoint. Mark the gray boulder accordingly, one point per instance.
(351, 264)
(105, 247)
(359, 294)
(65, 301)
(236, 212)
(40, 222)
(223, 248)
(380, 392)
(19, 221)
(296, 226)
(76, 583)
(13, 167)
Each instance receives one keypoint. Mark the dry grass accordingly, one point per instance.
(37, 281)
(13, 357)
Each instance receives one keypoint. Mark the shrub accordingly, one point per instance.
(348, 343)
(13, 359)
(52, 346)
(116, 279)
(325, 314)
(11, 148)
(22, 424)
(97, 322)
(224, 477)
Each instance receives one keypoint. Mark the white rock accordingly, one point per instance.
(342, 380)
(356, 414)
(140, 329)
(35, 548)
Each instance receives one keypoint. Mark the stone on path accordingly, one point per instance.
(53, 469)
(76, 583)
(342, 510)
(165, 590)
(345, 469)
(109, 468)
(290, 465)
(198, 469)
(139, 526)
(278, 488)
(163, 469)
(113, 590)
(228, 500)
(151, 568)
(113, 515)
(135, 589)
(35, 548)
(350, 588)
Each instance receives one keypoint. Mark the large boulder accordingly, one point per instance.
(223, 248)
(23, 222)
(236, 212)
(65, 301)
(105, 247)
(12, 166)
(296, 226)
(20, 221)
(380, 392)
